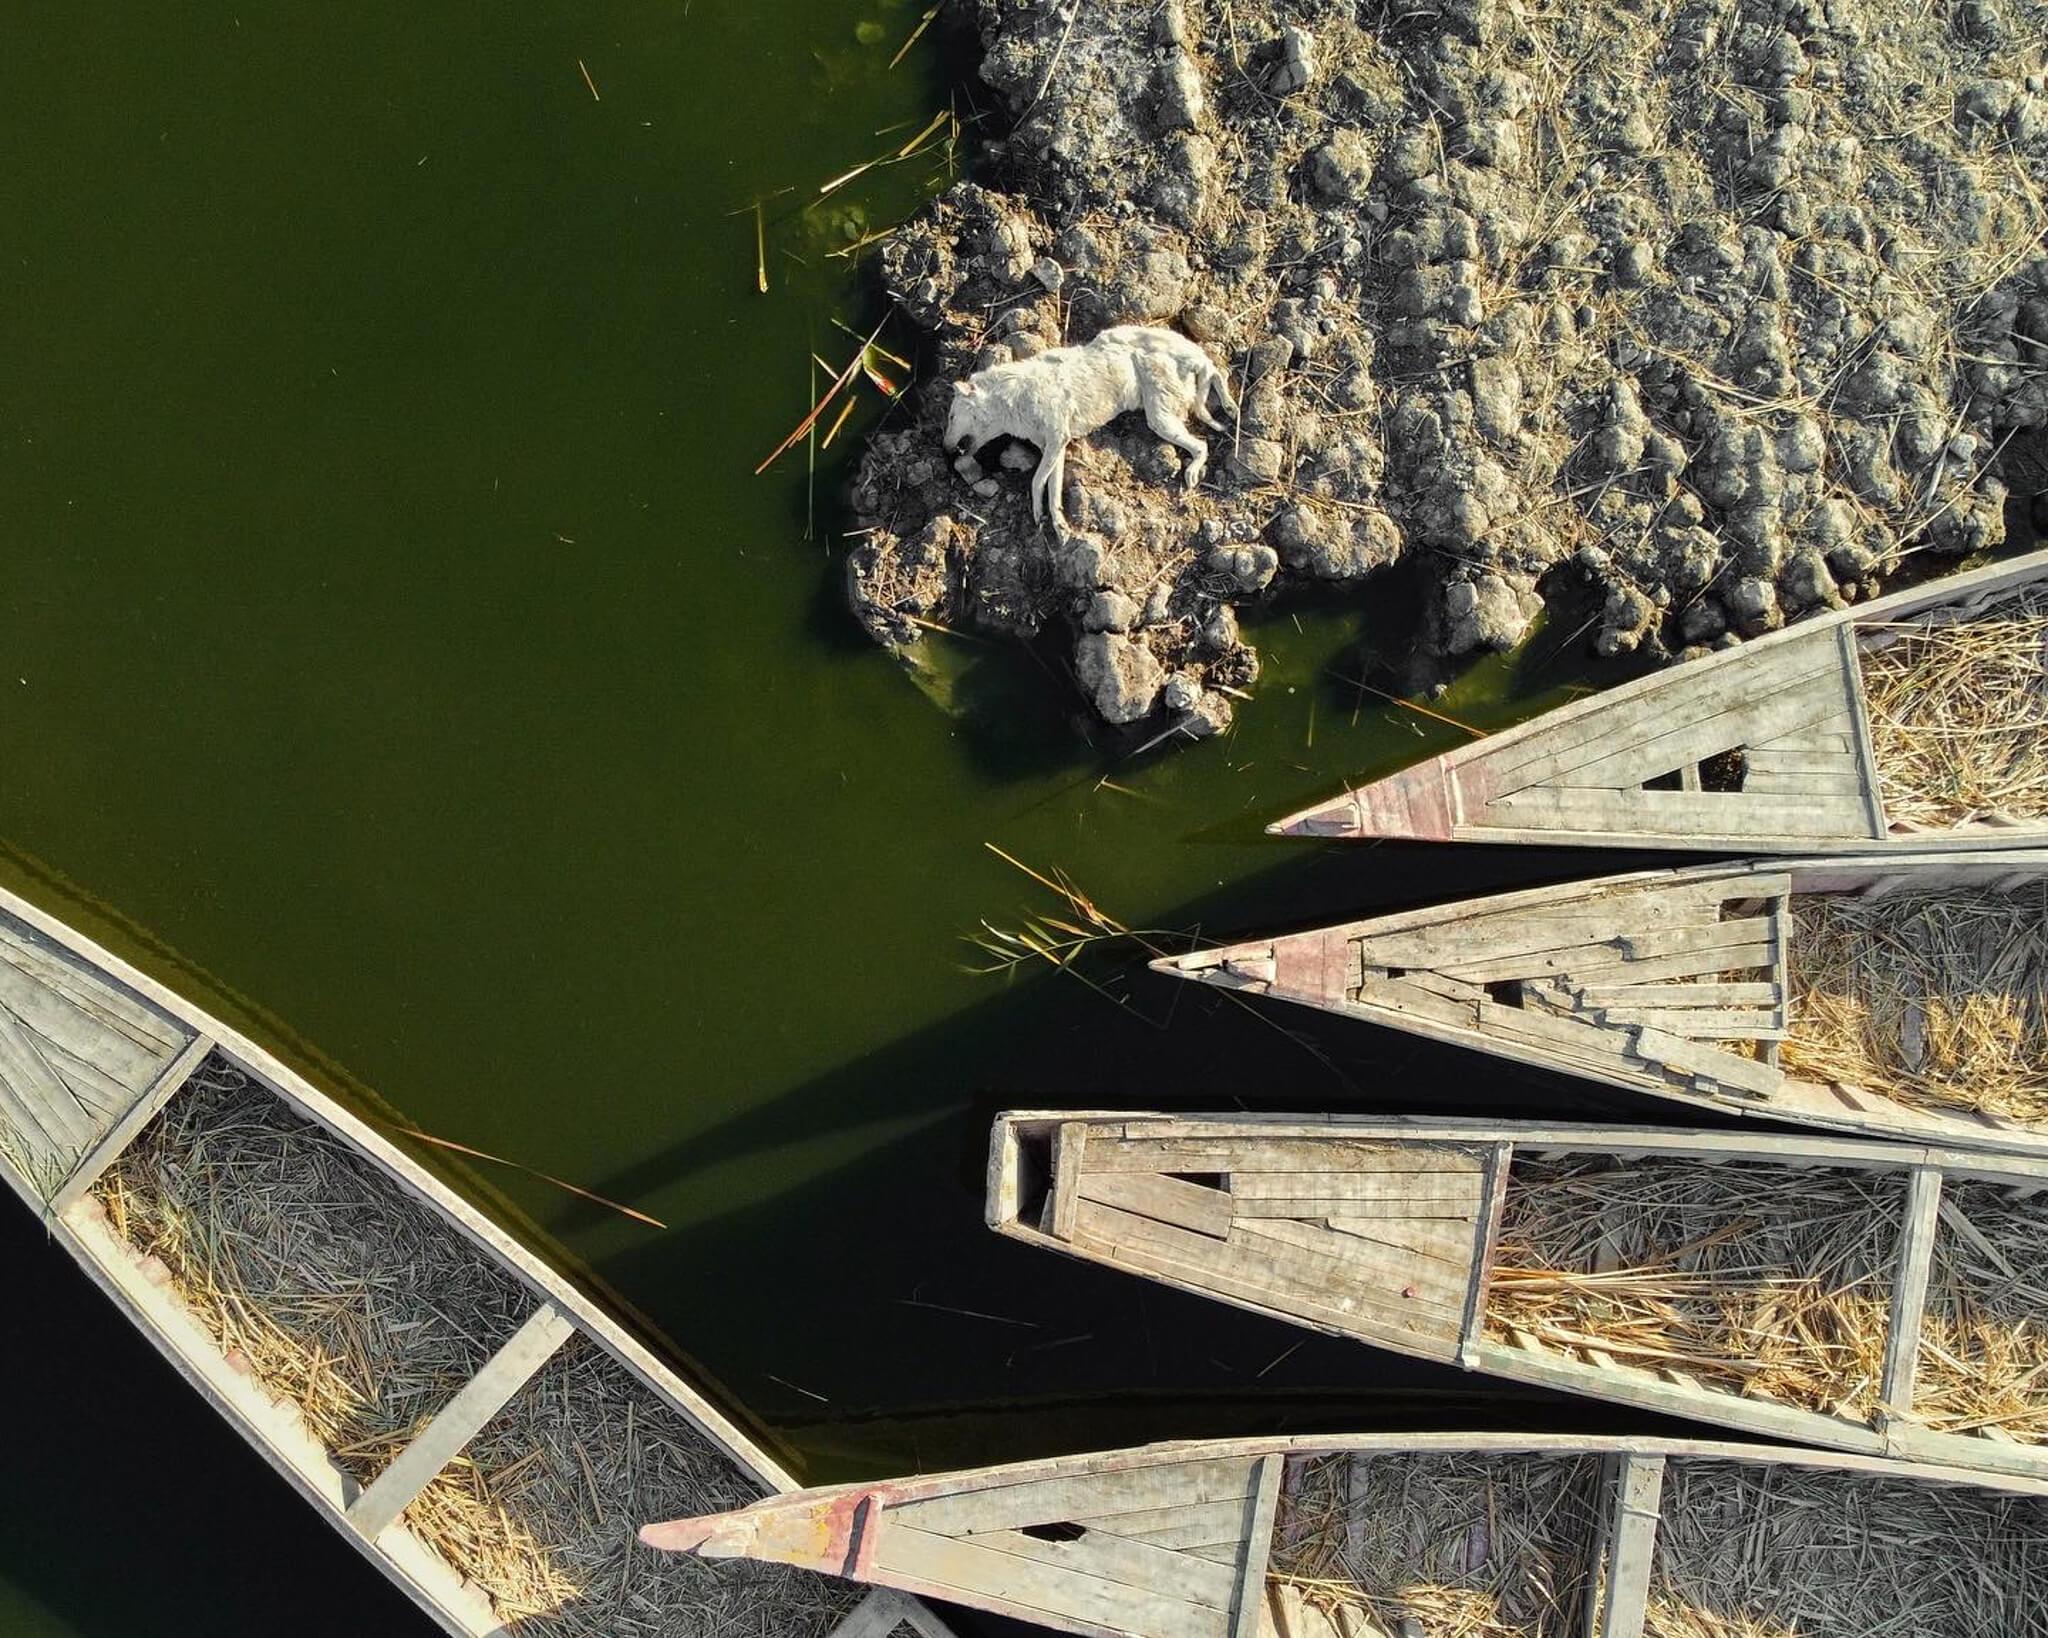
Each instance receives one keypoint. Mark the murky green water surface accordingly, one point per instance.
(394, 642)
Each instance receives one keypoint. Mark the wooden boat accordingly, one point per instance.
(1676, 1272)
(1765, 747)
(104, 1077)
(1894, 996)
(1515, 1535)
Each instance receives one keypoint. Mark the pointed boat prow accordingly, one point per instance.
(815, 1530)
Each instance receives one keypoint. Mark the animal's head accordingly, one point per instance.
(964, 424)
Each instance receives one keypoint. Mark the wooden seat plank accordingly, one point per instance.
(1680, 813)
(56, 1018)
(1165, 1199)
(90, 992)
(1458, 1187)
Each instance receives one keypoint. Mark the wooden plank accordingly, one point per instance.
(53, 1016)
(1472, 933)
(1678, 994)
(963, 1569)
(129, 1126)
(1164, 1199)
(461, 1419)
(1480, 1256)
(1444, 1240)
(1736, 815)
(1698, 1023)
(1079, 1498)
(90, 990)
(1251, 1587)
(1128, 1563)
(1453, 1187)
(1069, 1145)
(1300, 1208)
(1909, 1293)
(1252, 1154)
(1692, 1058)
(1335, 1268)
(1732, 933)
(1631, 1535)
(1841, 764)
(1859, 715)
(1188, 1524)
(56, 1109)
(1834, 737)
(1725, 958)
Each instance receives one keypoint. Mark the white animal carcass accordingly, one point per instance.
(1066, 393)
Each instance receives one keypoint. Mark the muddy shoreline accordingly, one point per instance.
(1718, 311)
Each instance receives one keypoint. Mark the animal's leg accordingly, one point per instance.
(1201, 408)
(1047, 455)
(1175, 431)
(1219, 383)
(1056, 491)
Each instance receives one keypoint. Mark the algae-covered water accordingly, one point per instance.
(396, 652)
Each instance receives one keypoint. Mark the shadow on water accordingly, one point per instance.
(912, 1337)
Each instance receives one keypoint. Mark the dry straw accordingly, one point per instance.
(355, 1302)
(1773, 1552)
(1765, 1281)
(1469, 1545)
(1936, 999)
(1958, 713)
(1983, 1364)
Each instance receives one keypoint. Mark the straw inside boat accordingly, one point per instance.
(1468, 1544)
(1983, 1362)
(1773, 1552)
(1958, 713)
(1766, 1281)
(348, 1298)
(1938, 999)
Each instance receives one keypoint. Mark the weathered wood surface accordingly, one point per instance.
(120, 1045)
(1675, 982)
(80, 1055)
(865, 1531)
(1416, 1280)
(1637, 765)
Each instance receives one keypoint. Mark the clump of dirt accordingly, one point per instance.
(1723, 305)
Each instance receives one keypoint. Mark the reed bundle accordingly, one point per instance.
(1469, 1545)
(358, 1304)
(1764, 1281)
(1958, 713)
(1746, 1552)
(1983, 1362)
(1938, 999)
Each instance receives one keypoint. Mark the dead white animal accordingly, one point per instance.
(1066, 393)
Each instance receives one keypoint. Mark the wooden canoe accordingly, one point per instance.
(1761, 748)
(1423, 1237)
(1341, 1537)
(1695, 984)
(93, 1053)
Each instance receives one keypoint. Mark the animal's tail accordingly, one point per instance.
(1219, 384)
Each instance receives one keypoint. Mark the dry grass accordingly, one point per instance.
(1958, 713)
(1746, 1552)
(1471, 1546)
(1756, 1280)
(340, 1293)
(1984, 1340)
(1938, 999)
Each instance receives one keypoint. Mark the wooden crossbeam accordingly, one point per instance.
(137, 1115)
(1909, 1295)
(461, 1419)
(1258, 1547)
(1630, 1535)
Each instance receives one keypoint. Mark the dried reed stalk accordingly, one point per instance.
(1471, 1546)
(1746, 1552)
(1958, 713)
(1983, 1361)
(1938, 999)
(1763, 1281)
(345, 1296)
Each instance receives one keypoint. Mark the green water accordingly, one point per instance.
(395, 643)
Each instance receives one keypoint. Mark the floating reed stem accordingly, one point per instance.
(1959, 715)
(1765, 1281)
(1938, 999)
(1469, 1545)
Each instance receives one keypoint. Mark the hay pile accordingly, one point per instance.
(1938, 999)
(1758, 1280)
(541, 1509)
(1958, 713)
(351, 1300)
(1768, 1553)
(1471, 1546)
(1984, 1338)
